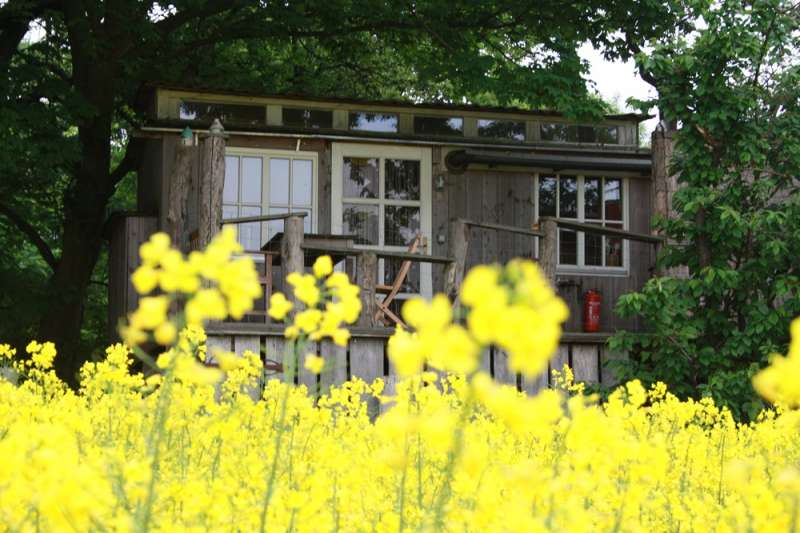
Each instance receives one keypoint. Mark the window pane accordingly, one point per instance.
(593, 249)
(547, 196)
(567, 247)
(275, 226)
(229, 211)
(391, 267)
(251, 180)
(612, 194)
(586, 134)
(553, 131)
(360, 177)
(400, 225)
(608, 134)
(501, 129)
(568, 197)
(307, 118)
(439, 125)
(382, 122)
(614, 248)
(361, 221)
(592, 198)
(278, 181)
(302, 182)
(230, 187)
(227, 113)
(402, 179)
(250, 233)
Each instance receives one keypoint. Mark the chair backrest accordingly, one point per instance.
(405, 266)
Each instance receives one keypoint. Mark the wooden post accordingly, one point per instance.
(212, 180)
(548, 249)
(179, 184)
(366, 279)
(291, 251)
(665, 185)
(457, 249)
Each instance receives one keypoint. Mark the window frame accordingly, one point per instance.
(266, 154)
(381, 152)
(581, 267)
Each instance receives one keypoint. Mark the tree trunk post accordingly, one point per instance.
(458, 245)
(665, 185)
(212, 180)
(291, 251)
(548, 250)
(179, 182)
(366, 278)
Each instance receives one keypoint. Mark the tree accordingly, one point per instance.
(730, 85)
(73, 96)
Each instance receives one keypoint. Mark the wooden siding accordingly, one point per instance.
(127, 234)
(365, 357)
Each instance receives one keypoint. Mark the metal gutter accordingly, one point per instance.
(460, 160)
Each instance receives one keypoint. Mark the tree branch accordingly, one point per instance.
(31, 233)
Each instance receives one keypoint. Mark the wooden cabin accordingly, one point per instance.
(360, 179)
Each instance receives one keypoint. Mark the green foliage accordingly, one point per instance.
(731, 85)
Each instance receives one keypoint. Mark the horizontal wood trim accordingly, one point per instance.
(276, 330)
(602, 230)
(577, 337)
(502, 227)
(261, 218)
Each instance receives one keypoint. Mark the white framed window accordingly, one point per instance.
(592, 199)
(268, 182)
(382, 195)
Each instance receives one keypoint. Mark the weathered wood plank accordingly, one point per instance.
(366, 358)
(558, 361)
(366, 362)
(305, 376)
(533, 385)
(502, 372)
(548, 250)
(485, 360)
(275, 350)
(335, 371)
(215, 343)
(585, 362)
(488, 224)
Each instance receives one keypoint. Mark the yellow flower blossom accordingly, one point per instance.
(279, 306)
(323, 266)
(314, 363)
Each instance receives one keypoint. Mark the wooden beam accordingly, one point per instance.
(503, 227)
(602, 230)
(178, 197)
(457, 249)
(548, 250)
(262, 218)
(366, 280)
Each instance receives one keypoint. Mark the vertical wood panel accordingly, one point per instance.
(502, 372)
(439, 217)
(505, 207)
(585, 362)
(490, 214)
(523, 214)
(366, 358)
(324, 189)
(305, 376)
(558, 361)
(485, 358)
(218, 342)
(474, 213)
(335, 372)
(533, 385)
(275, 349)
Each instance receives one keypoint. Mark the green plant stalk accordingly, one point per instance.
(295, 349)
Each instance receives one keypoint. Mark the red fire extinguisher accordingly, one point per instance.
(591, 311)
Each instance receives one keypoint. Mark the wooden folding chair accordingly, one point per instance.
(383, 313)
